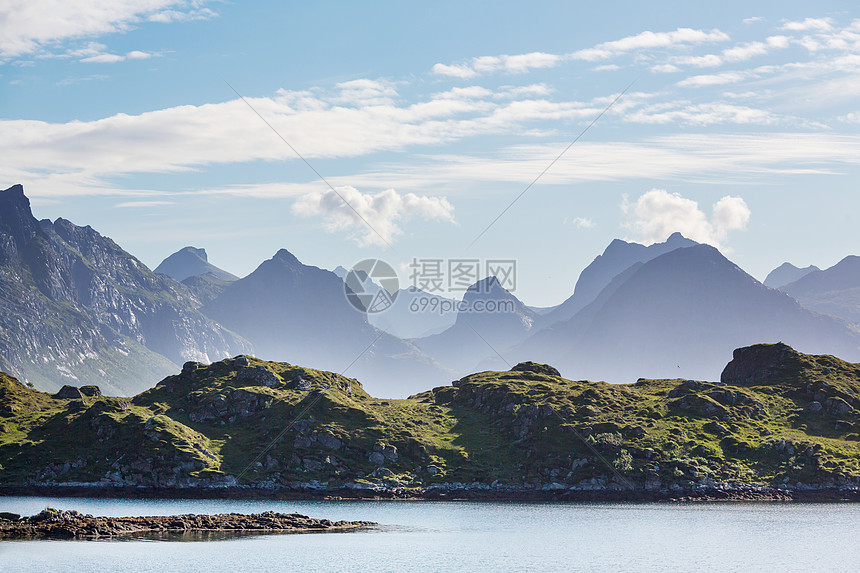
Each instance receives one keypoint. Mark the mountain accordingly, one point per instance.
(490, 320)
(778, 419)
(189, 262)
(833, 291)
(787, 273)
(299, 313)
(617, 257)
(76, 308)
(680, 315)
(414, 314)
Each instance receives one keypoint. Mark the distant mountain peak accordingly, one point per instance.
(191, 261)
(16, 218)
(14, 192)
(787, 273)
(286, 256)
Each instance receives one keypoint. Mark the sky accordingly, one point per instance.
(535, 132)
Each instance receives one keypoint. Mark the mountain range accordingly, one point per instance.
(76, 308)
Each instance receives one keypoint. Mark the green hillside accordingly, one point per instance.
(779, 418)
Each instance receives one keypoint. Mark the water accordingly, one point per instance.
(452, 536)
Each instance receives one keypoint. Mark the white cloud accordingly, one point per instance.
(372, 219)
(649, 40)
(30, 26)
(744, 52)
(712, 79)
(522, 63)
(665, 69)
(455, 70)
(657, 214)
(752, 19)
(818, 24)
(516, 64)
(701, 114)
(607, 68)
(580, 222)
(138, 204)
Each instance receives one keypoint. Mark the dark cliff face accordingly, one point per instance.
(77, 308)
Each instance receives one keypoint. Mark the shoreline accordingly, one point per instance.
(698, 495)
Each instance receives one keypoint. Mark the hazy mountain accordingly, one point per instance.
(680, 315)
(76, 308)
(299, 313)
(414, 314)
(787, 273)
(189, 262)
(833, 291)
(206, 287)
(617, 257)
(491, 320)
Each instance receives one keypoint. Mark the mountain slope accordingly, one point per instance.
(787, 273)
(617, 257)
(189, 262)
(75, 307)
(833, 291)
(296, 312)
(681, 314)
(491, 319)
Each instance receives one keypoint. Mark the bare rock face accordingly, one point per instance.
(91, 391)
(759, 363)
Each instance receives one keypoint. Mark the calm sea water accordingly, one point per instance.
(462, 536)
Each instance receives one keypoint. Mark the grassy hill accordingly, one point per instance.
(778, 418)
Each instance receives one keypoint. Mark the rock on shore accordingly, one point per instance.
(58, 524)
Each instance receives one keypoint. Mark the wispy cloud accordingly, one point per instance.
(536, 60)
(649, 40)
(139, 204)
(34, 26)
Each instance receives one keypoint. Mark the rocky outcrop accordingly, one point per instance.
(70, 524)
(759, 363)
(536, 368)
(67, 392)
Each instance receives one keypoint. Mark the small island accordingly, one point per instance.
(58, 524)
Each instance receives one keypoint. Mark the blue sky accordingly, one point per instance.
(740, 129)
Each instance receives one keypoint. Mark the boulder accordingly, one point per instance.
(91, 391)
(69, 392)
(536, 368)
(258, 375)
(192, 367)
(759, 363)
(329, 440)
